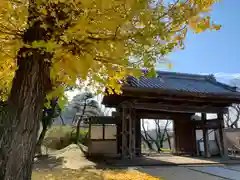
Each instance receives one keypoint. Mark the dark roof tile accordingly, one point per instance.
(183, 82)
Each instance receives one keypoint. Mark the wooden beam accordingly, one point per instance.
(205, 137)
(103, 120)
(128, 118)
(175, 138)
(103, 140)
(222, 135)
(157, 114)
(223, 97)
(103, 131)
(113, 100)
(116, 114)
(119, 138)
(132, 133)
(209, 124)
(138, 136)
(124, 134)
(154, 115)
(178, 108)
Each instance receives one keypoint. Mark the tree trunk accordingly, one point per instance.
(79, 122)
(63, 123)
(20, 120)
(40, 140)
(146, 137)
(149, 145)
(24, 111)
(169, 141)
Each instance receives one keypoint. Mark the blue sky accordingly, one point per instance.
(213, 52)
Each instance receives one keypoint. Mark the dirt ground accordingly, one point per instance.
(71, 163)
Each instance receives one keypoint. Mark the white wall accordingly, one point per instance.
(97, 132)
(102, 147)
(99, 146)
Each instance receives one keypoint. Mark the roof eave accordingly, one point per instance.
(233, 97)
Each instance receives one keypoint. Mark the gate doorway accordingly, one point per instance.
(156, 136)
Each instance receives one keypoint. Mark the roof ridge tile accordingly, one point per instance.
(182, 82)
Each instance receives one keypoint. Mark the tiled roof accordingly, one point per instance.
(206, 84)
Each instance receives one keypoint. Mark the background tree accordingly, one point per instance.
(81, 107)
(76, 106)
(49, 115)
(155, 138)
(232, 118)
(146, 136)
(85, 107)
(60, 41)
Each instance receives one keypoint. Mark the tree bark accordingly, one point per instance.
(24, 111)
(21, 117)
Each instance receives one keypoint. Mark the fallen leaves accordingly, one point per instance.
(127, 175)
(91, 174)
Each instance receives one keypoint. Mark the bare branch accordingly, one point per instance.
(232, 118)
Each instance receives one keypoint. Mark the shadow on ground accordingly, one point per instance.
(161, 160)
(117, 162)
(60, 174)
(47, 162)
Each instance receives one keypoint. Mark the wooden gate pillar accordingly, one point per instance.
(222, 135)
(138, 137)
(119, 138)
(205, 136)
(128, 127)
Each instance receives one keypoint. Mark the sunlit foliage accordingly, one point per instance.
(99, 40)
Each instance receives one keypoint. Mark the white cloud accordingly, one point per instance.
(227, 77)
(232, 79)
(223, 75)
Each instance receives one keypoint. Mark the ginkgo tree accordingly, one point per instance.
(47, 44)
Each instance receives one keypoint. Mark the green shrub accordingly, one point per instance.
(58, 137)
(82, 136)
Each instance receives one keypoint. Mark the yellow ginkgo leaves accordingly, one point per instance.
(88, 38)
(130, 175)
(92, 174)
